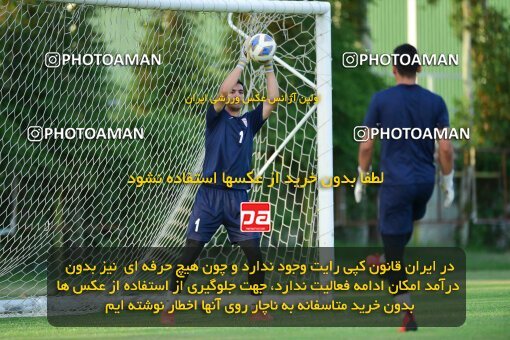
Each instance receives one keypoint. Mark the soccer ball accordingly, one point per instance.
(262, 47)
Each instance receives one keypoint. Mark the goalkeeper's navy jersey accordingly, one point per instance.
(229, 144)
(407, 161)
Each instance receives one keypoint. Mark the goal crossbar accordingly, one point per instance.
(237, 6)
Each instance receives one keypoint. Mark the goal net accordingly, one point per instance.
(65, 185)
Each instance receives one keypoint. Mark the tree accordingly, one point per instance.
(490, 40)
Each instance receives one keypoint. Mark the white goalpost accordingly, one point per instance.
(72, 192)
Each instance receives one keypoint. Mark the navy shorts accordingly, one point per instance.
(215, 206)
(401, 205)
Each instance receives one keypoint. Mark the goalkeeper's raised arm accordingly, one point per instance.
(272, 89)
(227, 87)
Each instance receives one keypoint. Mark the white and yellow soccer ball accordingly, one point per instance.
(261, 47)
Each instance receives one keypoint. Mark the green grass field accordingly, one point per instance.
(488, 314)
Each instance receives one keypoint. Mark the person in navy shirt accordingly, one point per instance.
(228, 152)
(407, 163)
(229, 138)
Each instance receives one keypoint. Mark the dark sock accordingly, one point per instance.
(251, 249)
(190, 254)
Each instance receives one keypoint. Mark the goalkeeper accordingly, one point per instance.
(407, 164)
(228, 149)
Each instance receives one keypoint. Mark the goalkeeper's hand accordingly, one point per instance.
(447, 187)
(244, 54)
(359, 188)
(268, 66)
